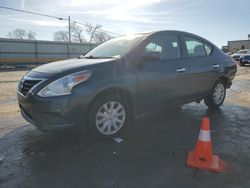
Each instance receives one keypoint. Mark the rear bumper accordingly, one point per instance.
(54, 113)
(230, 74)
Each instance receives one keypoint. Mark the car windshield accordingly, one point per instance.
(117, 47)
(242, 52)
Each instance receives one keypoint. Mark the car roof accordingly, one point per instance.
(180, 32)
(171, 31)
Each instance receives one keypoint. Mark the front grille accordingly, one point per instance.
(26, 85)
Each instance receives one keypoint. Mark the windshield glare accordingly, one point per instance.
(117, 47)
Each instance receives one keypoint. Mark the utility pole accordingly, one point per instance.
(248, 42)
(69, 29)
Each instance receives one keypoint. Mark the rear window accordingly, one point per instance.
(195, 47)
(242, 52)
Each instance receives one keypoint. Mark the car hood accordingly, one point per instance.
(236, 55)
(67, 65)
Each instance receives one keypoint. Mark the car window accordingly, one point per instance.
(208, 49)
(167, 46)
(242, 52)
(152, 47)
(195, 47)
(117, 47)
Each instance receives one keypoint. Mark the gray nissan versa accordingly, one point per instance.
(124, 77)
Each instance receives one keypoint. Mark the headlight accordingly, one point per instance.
(64, 85)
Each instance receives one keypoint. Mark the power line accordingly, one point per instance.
(56, 17)
(35, 13)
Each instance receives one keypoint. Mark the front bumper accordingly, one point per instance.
(55, 113)
(236, 58)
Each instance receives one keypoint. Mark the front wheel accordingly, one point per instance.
(108, 116)
(217, 95)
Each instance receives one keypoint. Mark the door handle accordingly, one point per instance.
(216, 66)
(181, 70)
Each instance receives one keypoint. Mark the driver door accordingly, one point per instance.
(162, 80)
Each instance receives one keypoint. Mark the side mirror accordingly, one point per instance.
(150, 56)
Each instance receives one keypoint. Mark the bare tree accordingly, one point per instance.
(77, 33)
(22, 34)
(61, 36)
(31, 35)
(17, 34)
(102, 36)
(91, 30)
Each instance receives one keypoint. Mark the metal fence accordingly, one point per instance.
(20, 53)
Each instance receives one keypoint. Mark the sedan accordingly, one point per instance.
(237, 56)
(245, 60)
(118, 80)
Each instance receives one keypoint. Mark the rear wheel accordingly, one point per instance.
(108, 116)
(217, 95)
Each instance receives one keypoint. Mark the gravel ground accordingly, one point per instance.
(152, 154)
(9, 111)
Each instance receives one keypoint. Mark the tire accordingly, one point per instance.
(242, 64)
(108, 117)
(217, 95)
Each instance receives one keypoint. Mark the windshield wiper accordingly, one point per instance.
(85, 57)
(99, 57)
(106, 57)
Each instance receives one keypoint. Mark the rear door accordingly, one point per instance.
(162, 82)
(202, 68)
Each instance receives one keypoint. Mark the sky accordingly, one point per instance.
(218, 21)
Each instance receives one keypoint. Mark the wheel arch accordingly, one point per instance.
(224, 79)
(120, 92)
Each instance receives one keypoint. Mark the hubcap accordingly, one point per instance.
(110, 118)
(219, 93)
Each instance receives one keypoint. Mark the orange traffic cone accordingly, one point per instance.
(202, 157)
